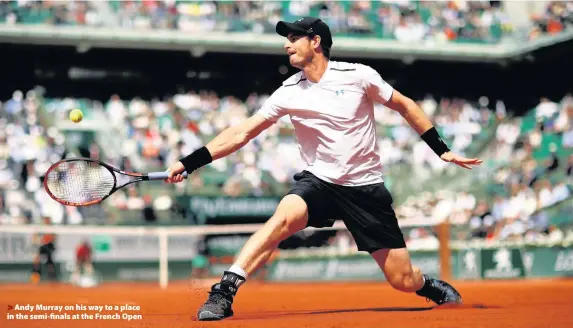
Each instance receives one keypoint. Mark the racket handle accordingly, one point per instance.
(162, 175)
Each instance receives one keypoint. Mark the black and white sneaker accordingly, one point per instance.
(440, 292)
(218, 305)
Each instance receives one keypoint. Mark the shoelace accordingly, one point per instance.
(216, 296)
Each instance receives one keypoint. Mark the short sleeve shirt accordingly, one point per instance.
(334, 121)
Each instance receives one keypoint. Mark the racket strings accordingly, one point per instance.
(80, 182)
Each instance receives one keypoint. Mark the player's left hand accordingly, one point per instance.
(460, 160)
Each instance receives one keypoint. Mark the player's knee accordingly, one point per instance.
(283, 225)
(289, 218)
(279, 226)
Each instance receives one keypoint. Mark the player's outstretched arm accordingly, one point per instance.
(225, 143)
(420, 122)
(235, 137)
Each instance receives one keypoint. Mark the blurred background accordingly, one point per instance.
(158, 79)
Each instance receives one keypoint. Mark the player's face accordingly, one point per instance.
(299, 50)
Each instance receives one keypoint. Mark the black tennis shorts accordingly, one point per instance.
(365, 210)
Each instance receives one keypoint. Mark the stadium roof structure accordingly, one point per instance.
(198, 44)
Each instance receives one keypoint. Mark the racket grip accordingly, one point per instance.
(162, 175)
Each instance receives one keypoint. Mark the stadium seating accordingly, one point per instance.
(408, 21)
(523, 188)
(538, 145)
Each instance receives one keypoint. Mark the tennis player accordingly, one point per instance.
(331, 107)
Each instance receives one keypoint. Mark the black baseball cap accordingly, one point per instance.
(309, 26)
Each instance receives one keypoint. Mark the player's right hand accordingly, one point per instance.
(175, 171)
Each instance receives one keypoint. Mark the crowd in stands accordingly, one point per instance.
(403, 20)
(529, 162)
(409, 21)
(27, 148)
(49, 12)
(557, 17)
(158, 132)
(532, 171)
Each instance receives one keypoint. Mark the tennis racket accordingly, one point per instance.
(85, 181)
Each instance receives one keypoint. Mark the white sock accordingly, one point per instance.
(238, 271)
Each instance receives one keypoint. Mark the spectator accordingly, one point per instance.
(84, 263)
(557, 17)
(149, 215)
(569, 169)
(481, 220)
(560, 192)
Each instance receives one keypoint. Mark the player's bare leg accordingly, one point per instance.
(403, 276)
(290, 217)
(399, 272)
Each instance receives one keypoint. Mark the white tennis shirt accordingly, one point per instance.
(334, 121)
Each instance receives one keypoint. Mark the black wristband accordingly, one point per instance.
(197, 159)
(432, 138)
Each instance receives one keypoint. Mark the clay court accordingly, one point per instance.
(519, 304)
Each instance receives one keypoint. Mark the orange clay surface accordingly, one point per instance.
(519, 304)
